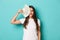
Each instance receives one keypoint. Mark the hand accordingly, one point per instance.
(20, 11)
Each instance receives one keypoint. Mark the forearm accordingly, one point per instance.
(39, 35)
(14, 18)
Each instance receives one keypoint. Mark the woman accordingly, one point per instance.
(31, 25)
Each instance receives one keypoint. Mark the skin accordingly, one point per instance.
(14, 21)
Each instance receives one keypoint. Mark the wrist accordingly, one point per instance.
(18, 12)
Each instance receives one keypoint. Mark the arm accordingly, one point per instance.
(39, 34)
(14, 21)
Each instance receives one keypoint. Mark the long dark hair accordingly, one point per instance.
(34, 17)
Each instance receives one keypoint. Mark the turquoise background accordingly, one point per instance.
(48, 11)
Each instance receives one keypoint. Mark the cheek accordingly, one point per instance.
(32, 13)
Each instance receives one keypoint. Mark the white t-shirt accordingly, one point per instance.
(30, 33)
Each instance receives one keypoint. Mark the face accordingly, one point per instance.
(31, 12)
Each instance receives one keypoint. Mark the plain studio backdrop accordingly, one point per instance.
(48, 11)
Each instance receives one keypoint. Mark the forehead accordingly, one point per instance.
(31, 8)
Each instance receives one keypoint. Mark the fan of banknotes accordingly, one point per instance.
(26, 11)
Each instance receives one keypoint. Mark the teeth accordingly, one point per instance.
(26, 10)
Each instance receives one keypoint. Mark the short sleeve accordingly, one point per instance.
(22, 20)
(38, 22)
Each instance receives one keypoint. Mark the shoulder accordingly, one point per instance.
(38, 20)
